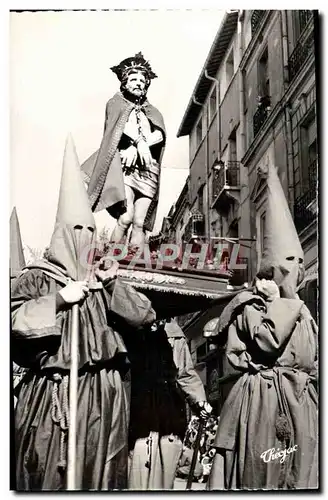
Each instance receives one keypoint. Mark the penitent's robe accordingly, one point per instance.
(41, 342)
(163, 379)
(270, 363)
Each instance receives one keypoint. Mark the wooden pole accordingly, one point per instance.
(195, 454)
(73, 388)
(73, 393)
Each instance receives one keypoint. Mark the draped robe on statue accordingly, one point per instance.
(103, 170)
(41, 342)
(270, 361)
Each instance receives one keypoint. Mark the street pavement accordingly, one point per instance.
(180, 484)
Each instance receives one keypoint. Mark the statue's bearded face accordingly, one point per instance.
(136, 83)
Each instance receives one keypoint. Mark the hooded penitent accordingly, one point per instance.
(75, 230)
(41, 332)
(17, 263)
(269, 365)
(17, 260)
(281, 246)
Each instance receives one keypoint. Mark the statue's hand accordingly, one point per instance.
(267, 288)
(107, 269)
(144, 153)
(129, 156)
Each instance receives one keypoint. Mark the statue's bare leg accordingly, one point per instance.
(141, 206)
(125, 220)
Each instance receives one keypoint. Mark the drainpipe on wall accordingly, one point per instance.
(284, 33)
(208, 208)
(242, 120)
(196, 102)
(242, 125)
(219, 121)
(289, 131)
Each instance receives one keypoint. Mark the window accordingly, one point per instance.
(302, 17)
(247, 29)
(212, 106)
(262, 232)
(232, 146)
(221, 226)
(192, 145)
(257, 16)
(263, 78)
(229, 67)
(205, 117)
(309, 151)
(233, 232)
(201, 199)
(199, 132)
(309, 294)
(232, 172)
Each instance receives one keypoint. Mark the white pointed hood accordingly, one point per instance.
(17, 260)
(74, 235)
(281, 243)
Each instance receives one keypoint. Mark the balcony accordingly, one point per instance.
(303, 50)
(195, 227)
(261, 114)
(226, 184)
(304, 18)
(256, 19)
(155, 240)
(305, 206)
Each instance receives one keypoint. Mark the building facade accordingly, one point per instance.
(254, 102)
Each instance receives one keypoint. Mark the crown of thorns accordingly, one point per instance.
(138, 62)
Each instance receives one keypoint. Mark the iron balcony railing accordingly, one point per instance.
(260, 116)
(313, 174)
(228, 176)
(305, 210)
(195, 227)
(305, 206)
(303, 49)
(256, 18)
(304, 18)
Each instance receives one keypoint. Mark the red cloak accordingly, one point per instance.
(103, 170)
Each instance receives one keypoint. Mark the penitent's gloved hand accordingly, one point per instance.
(74, 292)
(204, 409)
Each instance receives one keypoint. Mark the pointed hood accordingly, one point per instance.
(281, 245)
(75, 229)
(17, 260)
